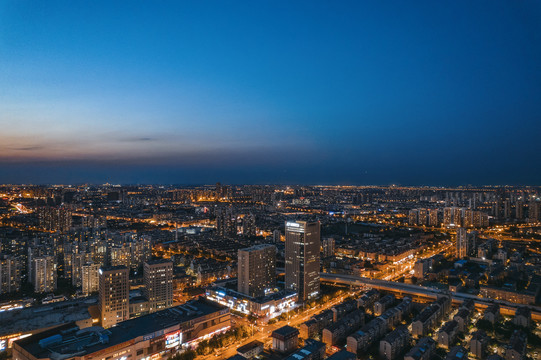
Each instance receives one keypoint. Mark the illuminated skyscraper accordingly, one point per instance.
(114, 295)
(257, 269)
(44, 274)
(302, 258)
(447, 216)
(158, 289)
(461, 243)
(534, 211)
(90, 278)
(433, 218)
(413, 217)
(328, 247)
(10, 274)
(423, 217)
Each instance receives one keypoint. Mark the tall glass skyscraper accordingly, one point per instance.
(303, 242)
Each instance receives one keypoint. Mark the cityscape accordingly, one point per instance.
(269, 271)
(270, 180)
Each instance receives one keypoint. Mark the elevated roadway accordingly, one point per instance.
(425, 294)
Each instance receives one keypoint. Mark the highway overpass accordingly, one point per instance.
(423, 293)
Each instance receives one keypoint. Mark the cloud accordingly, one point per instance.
(28, 148)
(138, 139)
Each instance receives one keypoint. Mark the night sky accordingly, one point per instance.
(335, 92)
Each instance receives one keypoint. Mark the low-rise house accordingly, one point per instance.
(308, 329)
(431, 316)
(339, 330)
(479, 344)
(251, 349)
(457, 353)
(343, 308)
(368, 334)
(343, 355)
(523, 317)
(317, 323)
(285, 339)
(516, 349)
(423, 350)
(468, 304)
(448, 334)
(462, 317)
(383, 304)
(368, 299)
(492, 313)
(312, 350)
(393, 344)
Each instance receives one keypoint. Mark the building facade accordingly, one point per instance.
(158, 279)
(114, 291)
(302, 254)
(257, 270)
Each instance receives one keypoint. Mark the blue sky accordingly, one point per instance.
(426, 92)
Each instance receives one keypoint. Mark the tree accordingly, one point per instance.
(485, 325)
(185, 355)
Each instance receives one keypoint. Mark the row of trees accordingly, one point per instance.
(205, 347)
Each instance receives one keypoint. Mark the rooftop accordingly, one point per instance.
(45, 316)
(70, 340)
(257, 247)
(422, 346)
(312, 346)
(342, 355)
(159, 261)
(285, 332)
(457, 353)
(250, 346)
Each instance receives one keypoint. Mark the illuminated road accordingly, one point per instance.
(262, 333)
(425, 292)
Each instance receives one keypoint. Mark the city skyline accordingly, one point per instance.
(304, 93)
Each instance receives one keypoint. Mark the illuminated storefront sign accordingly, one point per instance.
(6, 342)
(173, 340)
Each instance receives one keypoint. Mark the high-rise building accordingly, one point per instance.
(433, 217)
(519, 210)
(55, 218)
(77, 262)
(302, 258)
(328, 245)
(534, 211)
(257, 270)
(468, 218)
(90, 278)
(120, 256)
(461, 243)
(276, 236)
(413, 217)
(507, 209)
(458, 215)
(43, 274)
(10, 274)
(113, 295)
(447, 216)
(226, 222)
(248, 225)
(423, 217)
(158, 276)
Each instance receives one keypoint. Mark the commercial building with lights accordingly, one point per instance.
(269, 306)
(21, 322)
(154, 336)
(302, 253)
